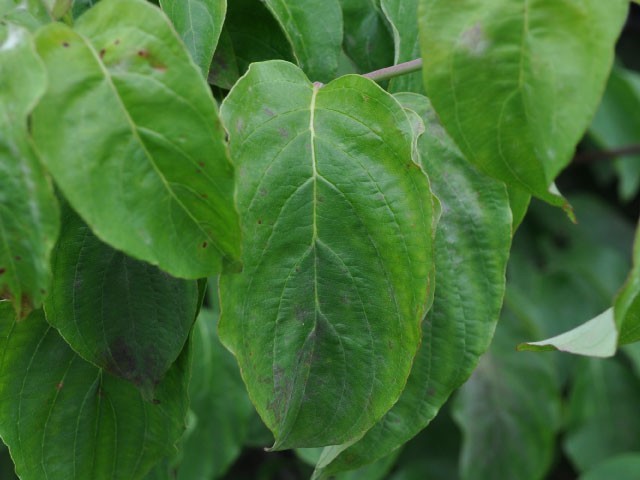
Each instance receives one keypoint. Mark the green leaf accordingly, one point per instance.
(403, 18)
(596, 338)
(472, 248)
(30, 14)
(64, 418)
(199, 23)
(602, 413)
(123, 315)
(224, 72)
(617, 124)
(255, 35)
(620, 467)
(627, 304)
(367, 40)
(129, 118)
(28, 209)
(337, 225)
(519, 201)
(314, 30)
(510, 405)
(516, 83)
(81, 6)
(220, 405)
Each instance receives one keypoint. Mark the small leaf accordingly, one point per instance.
(314, 30)
(472, 247)
(64, 418)
(255, 36)
(337, 224)
(30, 14)
(367, 40)
(596, 338)
(199, 23)
(123, 315)
(28, 209)
(128, 118)
(516, 83)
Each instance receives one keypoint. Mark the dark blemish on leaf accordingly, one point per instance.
(18, 258)
(102, 52)
(155, 401)
(100, 393)
(59, 386)
(284, 133)
(201, 164)
(2, 270)
(117, 42)
(365, 98)
(143, 53)
(204, 195)
(268, 112)
(205, 244)
(264, 192)
(43, 291)
(65, 44)
(259, 222)
(226, 136)
(431, 391)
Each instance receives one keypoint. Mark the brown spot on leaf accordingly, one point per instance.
(259, 222)
(2, 270)
(201, 164)
(205, 244)
(204, 195)
(18, 258)
(65, 44)
(117, 42)
(268, 112)
(155, 401)
(283, 132)
(59, 386)
(102, 52)
(143, 53)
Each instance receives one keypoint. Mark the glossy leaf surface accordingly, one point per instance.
(123, 315)
(314, 30)
(199, 23)
(472, 243)
(337, 221)
(627, 304)
(64, 418)
(620, 467)
(517, 83)
(130, 133)
(28, 212)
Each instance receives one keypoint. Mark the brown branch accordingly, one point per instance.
(588, 157)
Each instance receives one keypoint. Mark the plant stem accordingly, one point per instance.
(395, 71)
(587, 157)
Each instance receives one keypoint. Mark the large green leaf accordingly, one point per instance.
(130, 133)
(617, 124)
(367, 41)
(28, 212)
(402, 15)
(472, 247)
(64, 418)
(199, 23)
(509, 411)
(516, 82)
(220, 405)
(601, 413)
(123, 315)
(314, 30)
(337, 224)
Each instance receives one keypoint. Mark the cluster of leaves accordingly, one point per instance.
(355, 237)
